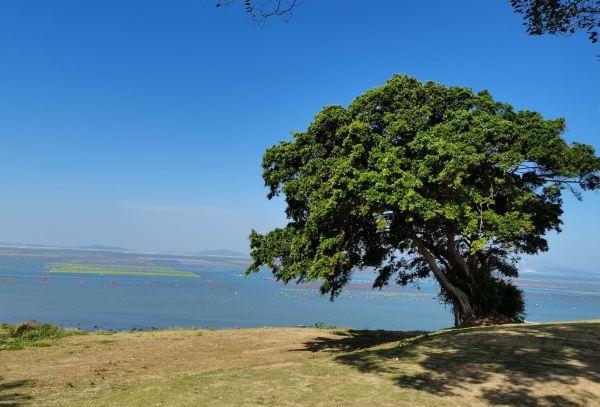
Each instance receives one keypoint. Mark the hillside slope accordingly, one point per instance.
(533, 364)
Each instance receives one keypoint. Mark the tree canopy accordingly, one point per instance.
(560, 16)
(415, 179)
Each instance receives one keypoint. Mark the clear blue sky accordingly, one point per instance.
(142, 123)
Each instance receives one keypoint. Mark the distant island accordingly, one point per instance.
(211, 252)
(100, 247)
(221, 253)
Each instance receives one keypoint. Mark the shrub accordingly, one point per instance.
(31, 333)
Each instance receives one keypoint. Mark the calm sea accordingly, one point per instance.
(222, 297)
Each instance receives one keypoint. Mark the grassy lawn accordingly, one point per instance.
(533, 364)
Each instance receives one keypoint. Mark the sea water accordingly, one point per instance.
(224, 297)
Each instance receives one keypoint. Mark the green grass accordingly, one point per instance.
(551, 364)
(115, 269)
(19, 336)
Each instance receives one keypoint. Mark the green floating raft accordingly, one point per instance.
(118, 270)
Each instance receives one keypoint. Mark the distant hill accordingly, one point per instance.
(214, 252)
(221, 253)
(100, 247)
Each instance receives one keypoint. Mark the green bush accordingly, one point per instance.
(31, 333)
(323, 325)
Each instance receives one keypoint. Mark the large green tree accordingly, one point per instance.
(416, 179)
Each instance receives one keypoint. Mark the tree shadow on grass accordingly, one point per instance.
(10, 395)
(352, 340)
(527, 365)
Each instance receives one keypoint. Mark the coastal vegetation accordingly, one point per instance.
(524, 364)
(19, 336)
(116, 269)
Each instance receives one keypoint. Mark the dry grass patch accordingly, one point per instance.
(537, 365)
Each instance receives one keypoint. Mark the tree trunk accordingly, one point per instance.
(463, 309)
(476, 297)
